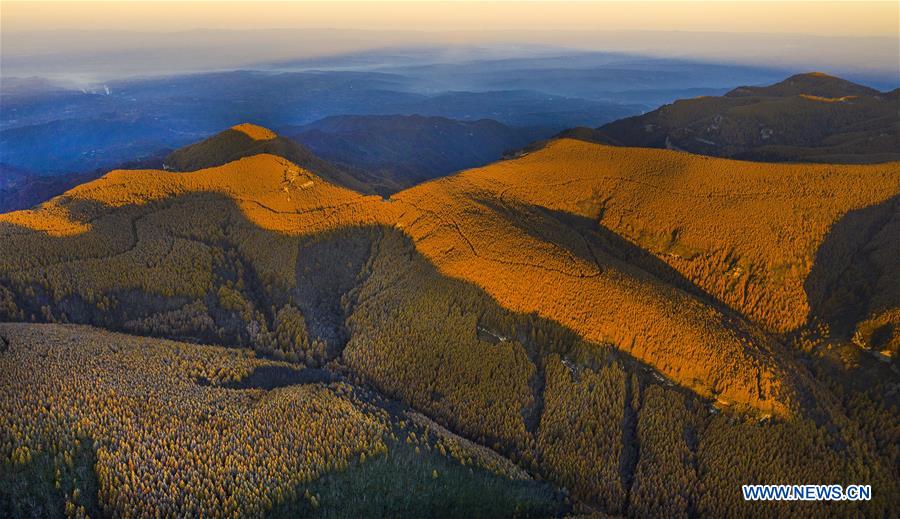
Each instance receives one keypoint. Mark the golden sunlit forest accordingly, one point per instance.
(582, 329)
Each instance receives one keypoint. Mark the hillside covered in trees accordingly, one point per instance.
(810, 117)
(583, 329)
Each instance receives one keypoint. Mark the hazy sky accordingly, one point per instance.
(93, 41)
(804, 17)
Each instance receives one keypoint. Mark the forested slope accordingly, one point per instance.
(750, 235)
(610, 320)
(810, 117)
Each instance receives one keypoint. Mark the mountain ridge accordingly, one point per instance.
(279, 196)
(403, 150)
(806, 118)
(810, 83)
(248, 139)
(601, 319)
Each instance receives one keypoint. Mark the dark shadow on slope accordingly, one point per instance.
(440, 343)
(329, 266)
(857, 268)
(408, 483)
(133, 232)
(33, 490)
(631, 443)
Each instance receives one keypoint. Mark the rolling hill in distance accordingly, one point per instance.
(67, 127)
(401, 151)
(61, 135)
(366, 123)
(106, 124)
(810, 117)
(381, 154)
(574, 328)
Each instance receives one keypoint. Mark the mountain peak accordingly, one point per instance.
(255, 132)
(810, 117)
(245, 140)
(817, 84)
(814, 74)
